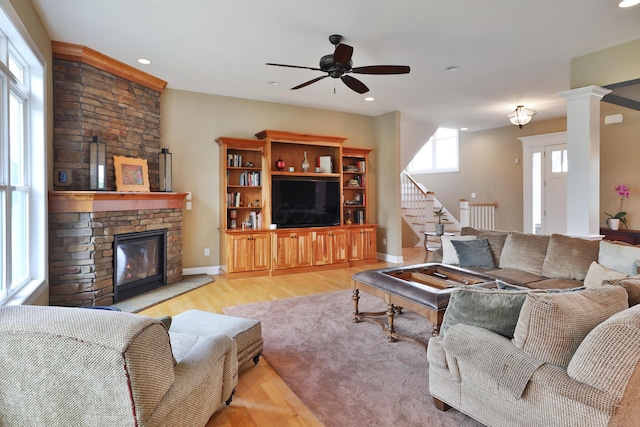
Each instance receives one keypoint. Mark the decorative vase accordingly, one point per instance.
(305, 163)
(280, 164)
(614, 223)
(439, 229)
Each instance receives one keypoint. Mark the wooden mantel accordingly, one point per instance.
(105, 201)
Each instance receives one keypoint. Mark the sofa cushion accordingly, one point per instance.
(598, 273)
(620, 257)
(474, 253)
(496, 240)
(613, 346)
(551, 326)
(515, 276)
(569, 257)
(449, 254)
(551, 285)
(493, 309)
(524, 252)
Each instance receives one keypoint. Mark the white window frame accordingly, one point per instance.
(433, 148)
(15, 40)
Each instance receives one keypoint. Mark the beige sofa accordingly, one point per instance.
(535, 261)
(78, 367)
(570, 359)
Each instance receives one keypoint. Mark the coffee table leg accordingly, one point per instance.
(391, 311)
(355, 297)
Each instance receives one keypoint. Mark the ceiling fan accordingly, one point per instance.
(339, 65)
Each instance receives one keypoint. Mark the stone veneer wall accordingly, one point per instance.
(81, 251)
(91, 102)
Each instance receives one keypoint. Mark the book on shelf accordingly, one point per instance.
(250, 178)
(359, 216)
(234, 160)
(361, 166)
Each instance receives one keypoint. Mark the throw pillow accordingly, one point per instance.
(524, 252)
(449, 254)
(551, 326)
(569, 257)
(496, 240)
(492, 309)
(619, 257)
(598, 273)
(474, 253)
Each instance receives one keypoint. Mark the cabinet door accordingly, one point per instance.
(322, 248)
(355, 244)
(369, 243)
(285, 250)
(261, 251)
(241, 254)
(339, 244)
(304, 249)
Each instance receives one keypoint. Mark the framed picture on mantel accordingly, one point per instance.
(132, 174)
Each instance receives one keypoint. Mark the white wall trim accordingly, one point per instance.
(213, 269)
(390, 258)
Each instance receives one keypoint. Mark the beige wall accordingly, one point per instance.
(619, 160)
(190, 124)
(613, 65)
(488, 168)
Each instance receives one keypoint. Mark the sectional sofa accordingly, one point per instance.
(558, 345)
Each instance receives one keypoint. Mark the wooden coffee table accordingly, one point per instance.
(424, 289)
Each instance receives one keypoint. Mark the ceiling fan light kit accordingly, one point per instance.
(339, 65)
(521, 116)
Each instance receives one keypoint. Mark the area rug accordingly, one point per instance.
(347, 373)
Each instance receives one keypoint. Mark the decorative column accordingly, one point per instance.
(583, 153)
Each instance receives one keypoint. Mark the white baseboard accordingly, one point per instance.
(390, 258)
(214, 269)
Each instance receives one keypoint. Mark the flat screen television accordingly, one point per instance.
(305, 202)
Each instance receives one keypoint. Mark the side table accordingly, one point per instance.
(427, 249)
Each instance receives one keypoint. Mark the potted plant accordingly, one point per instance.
(440, 213)
(614, 220)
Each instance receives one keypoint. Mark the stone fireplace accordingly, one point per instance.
(94, 95)
(83, 226)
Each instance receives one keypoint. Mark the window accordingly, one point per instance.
(22, 164)
(439, 154)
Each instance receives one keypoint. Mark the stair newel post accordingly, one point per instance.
(464, 213)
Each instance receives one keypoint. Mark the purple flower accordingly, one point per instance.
(623, 190)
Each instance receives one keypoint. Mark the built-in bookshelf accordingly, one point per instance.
(243, 181)
(354, 185)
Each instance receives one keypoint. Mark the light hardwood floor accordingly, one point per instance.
(262, 399)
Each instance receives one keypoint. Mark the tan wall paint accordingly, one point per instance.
(190, 124)
(387, 164)
(619, 160)
(488, 168)
(613, 65)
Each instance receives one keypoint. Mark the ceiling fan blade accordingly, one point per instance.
(354, 84)
(294, 66)
(309, 82)
(382, 69)
(342, 54)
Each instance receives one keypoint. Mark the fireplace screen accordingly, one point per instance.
(139, 263)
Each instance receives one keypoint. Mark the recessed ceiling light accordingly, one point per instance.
(274, 83)
(463, 129)
(455, 67)
(144, 61)
(369, 99)
(628, 3)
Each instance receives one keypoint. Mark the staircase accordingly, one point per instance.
(417, 205)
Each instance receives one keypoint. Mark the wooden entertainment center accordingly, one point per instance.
(249, 245)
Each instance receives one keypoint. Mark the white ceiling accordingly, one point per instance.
(509, 52)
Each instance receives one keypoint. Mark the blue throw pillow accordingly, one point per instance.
(474, 253)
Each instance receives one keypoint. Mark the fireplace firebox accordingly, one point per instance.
(139, 263)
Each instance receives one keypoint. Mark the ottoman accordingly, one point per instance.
(247, 333)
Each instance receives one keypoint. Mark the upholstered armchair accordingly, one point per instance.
(76, 367)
